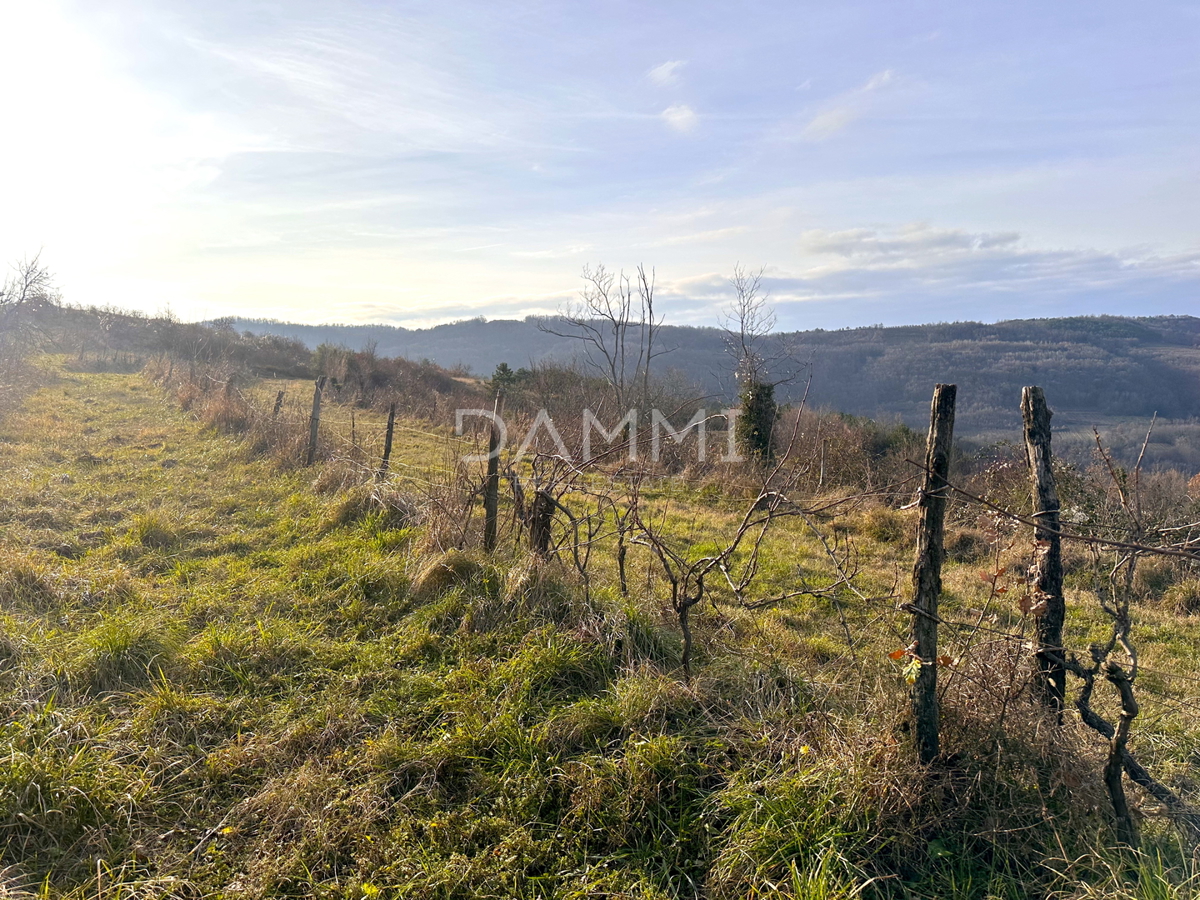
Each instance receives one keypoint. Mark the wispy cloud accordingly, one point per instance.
(1003, 276)
(680, 117)
(715, 234)
(919, 273)
(554, 253)
(340, 90)
(845, 108)
(906, 245)
(863, 260)
(667, 74)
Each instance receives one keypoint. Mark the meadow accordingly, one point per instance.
(224, 674)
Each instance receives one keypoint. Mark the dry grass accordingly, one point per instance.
(221, 676)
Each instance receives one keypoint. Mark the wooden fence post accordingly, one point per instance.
(927, 570)
(314, 421)
(387, 442)
(541, 515)
(491, 486)
(1048, 573)
(278, 405)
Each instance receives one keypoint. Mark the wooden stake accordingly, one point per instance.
(1048, 575)
(387, 442)
(491, 486)
(541, 515)
(927, 570)
(314, 421)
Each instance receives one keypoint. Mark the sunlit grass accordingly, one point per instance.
(221, 676)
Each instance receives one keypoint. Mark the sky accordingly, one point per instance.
(412, 163)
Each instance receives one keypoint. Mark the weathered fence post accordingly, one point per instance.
(387, 442)
(540, 516)
(1048, 572)
(491, 486)
(927, 570)
(314, 421)
(278, 405)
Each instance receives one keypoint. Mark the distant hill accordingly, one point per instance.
(1108, 371)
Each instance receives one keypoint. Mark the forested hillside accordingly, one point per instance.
(1109, 372)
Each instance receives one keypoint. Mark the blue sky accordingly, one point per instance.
(413, 163)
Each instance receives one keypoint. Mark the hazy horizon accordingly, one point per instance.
(527, 319)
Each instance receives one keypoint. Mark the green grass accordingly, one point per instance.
(223, 677)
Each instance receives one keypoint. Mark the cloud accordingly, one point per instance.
(667, 75)
(845, 108)
(681, 117)
(921, 273)
(875, 82)
(715, 234)
(554, 253)
(860, 261)
(918, 273)
(905, 243)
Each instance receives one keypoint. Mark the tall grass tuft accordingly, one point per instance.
(121, 654)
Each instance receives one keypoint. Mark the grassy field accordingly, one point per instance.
(225, 677)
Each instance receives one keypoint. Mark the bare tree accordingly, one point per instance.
(614, 319)
(748, 324)
(29, 289)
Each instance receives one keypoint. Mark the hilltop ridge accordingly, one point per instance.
(1102, 371)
